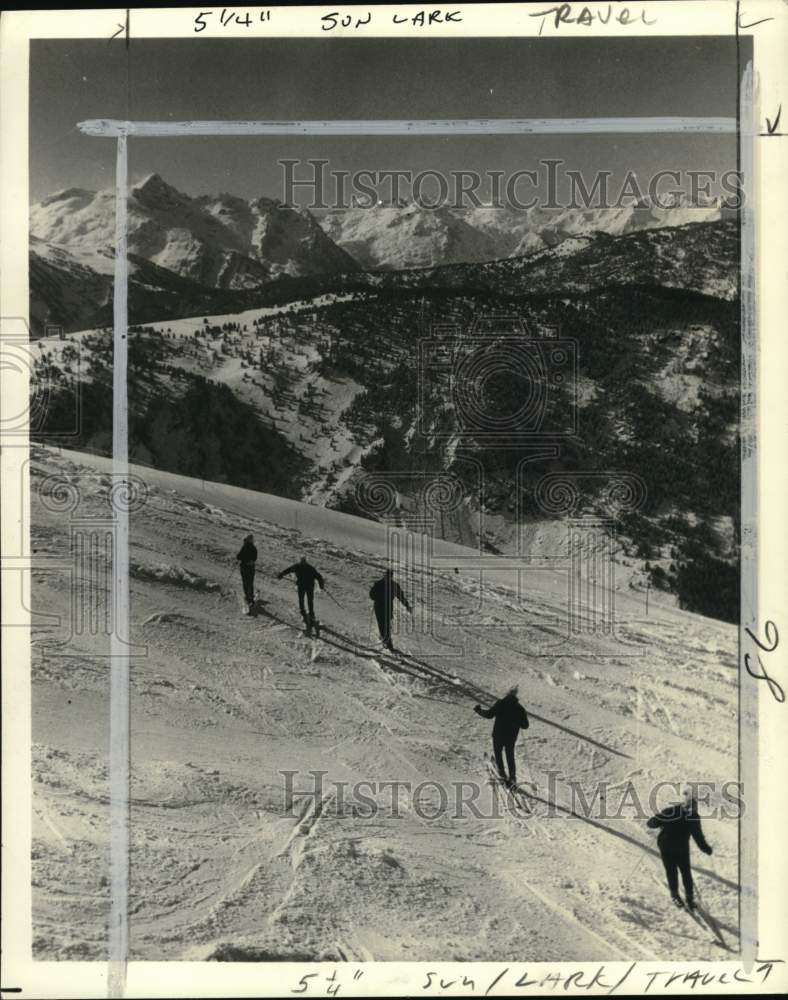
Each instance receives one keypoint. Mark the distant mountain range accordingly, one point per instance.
(397, 237)
(203, 254)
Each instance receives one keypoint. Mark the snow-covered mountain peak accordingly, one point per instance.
(155, 189)
(220, 241)
(73, 197)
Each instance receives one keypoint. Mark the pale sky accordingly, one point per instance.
(71, 80)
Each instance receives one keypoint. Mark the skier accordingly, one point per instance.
(677, 824)
(306, 575)
(247, 557)
(510, 717)
(383, 592)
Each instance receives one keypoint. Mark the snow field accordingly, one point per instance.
(222, 704)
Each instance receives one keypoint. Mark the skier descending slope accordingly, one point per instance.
(677, 824)
(383, 592)
(510, 717)
(306, 575)
(247, 557)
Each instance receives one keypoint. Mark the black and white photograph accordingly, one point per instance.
(390, 500)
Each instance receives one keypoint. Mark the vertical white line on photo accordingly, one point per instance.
(119, 750)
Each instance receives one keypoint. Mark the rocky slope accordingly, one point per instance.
(75, 291)
(219, 242)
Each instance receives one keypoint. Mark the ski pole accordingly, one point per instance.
(369, 627)
(325, 591)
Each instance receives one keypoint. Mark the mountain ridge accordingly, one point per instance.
(218, 241)
(72, 287)
(226, 241)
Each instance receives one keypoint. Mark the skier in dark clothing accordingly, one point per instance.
(306, 575)
(676, 825)
(383, 592)
(510, 717)
(247, 557)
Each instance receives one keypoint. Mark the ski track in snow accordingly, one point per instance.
(222, 703)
